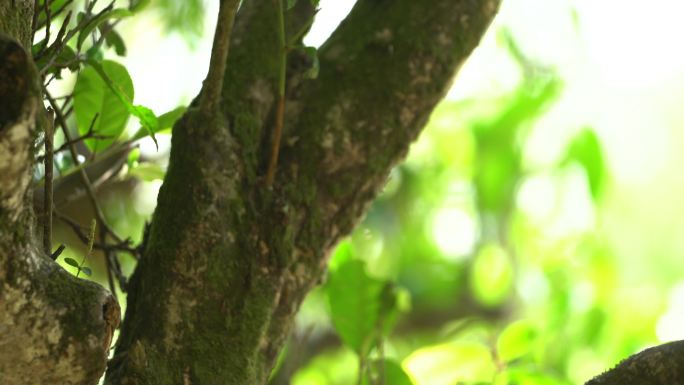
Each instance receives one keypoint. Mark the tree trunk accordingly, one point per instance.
(54, 328)
(230, 259)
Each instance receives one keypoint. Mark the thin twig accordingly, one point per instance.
(36, 12)
(41, 23)
(91, 241)
(124, 246)
(280, 111)
(48, 22)
(47, 197)
(84, 177)
(213, 85)
(108, 266)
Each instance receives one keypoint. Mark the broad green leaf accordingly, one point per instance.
(342, 254)
(71, 262)
(585, 149)
(355, 305)
(450, 363)
(516, 340)
(118, 13)
(87, 271)
(145, 116)
(147, 172)
(93, 97)
(491, 275)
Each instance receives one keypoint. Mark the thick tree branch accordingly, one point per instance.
(54, 328)
(659, 365)
(254, 253)
(382, 73)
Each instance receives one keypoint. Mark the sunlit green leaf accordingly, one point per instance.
(355, 305)
(492, 275)
(87, 271)
(516, 340)
(585, 149)
(450, 363)
(71, 262)
(146, 117)
(165, 121)
(93, 97)
(147, 171)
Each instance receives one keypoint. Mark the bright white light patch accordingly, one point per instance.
(455, 232)
(669, 326)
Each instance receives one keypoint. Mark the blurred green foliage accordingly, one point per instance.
(470, 268)
(499, 294)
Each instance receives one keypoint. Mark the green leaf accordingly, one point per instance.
(392, 373)
(145, 116)
(71, 262)
(315, 2)
(148, 120)
(585, 149)
(118, 13)
(355, 305)
(451, 363)
(185, 17)
(113, 39)
(86, 270)
(290, 4)
(92, 96)
(66, 58)
(491, 275)
(516, 340)
(133, 157)
(138, 5)
(147, 172)
(166, 120)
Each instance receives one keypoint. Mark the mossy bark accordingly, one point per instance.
(659, 365)
(54, 328)
(229, 260)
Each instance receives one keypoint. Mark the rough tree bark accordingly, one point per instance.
(228, 260)
(54, 328)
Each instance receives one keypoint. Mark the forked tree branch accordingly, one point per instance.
(213, 84)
